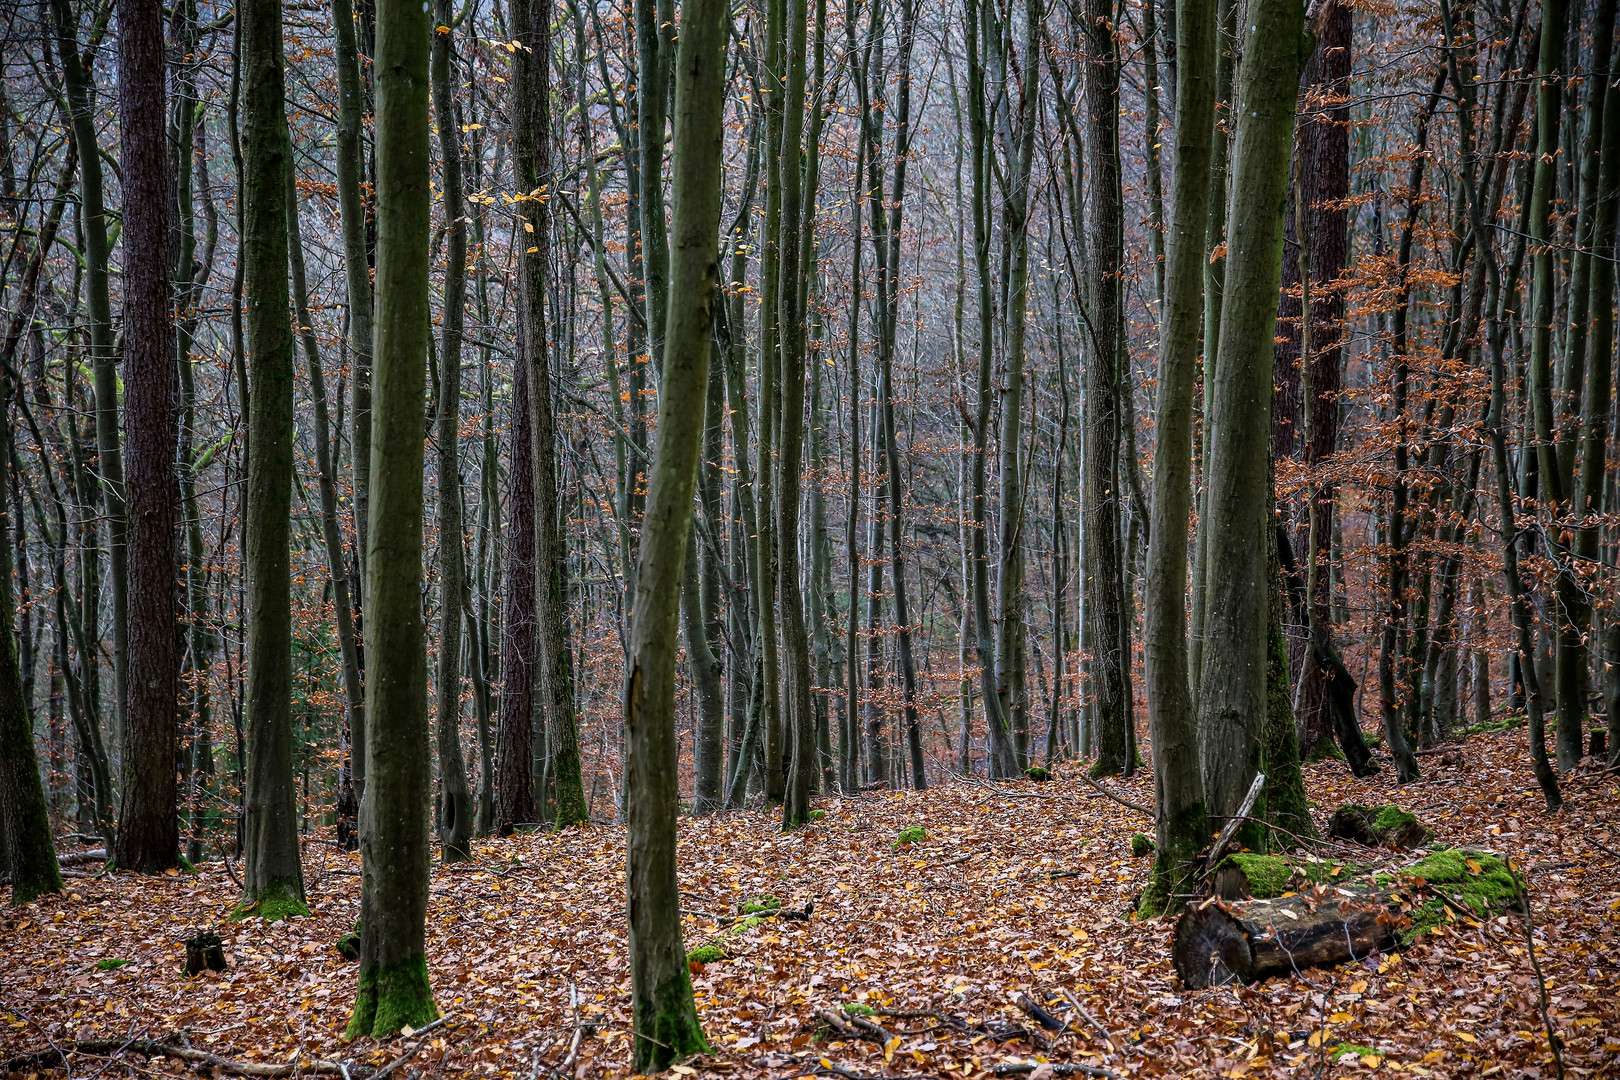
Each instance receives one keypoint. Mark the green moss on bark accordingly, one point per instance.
(1179, 841)
(276, 901)
(1286, 805)
(390, 997)
(666, 1026)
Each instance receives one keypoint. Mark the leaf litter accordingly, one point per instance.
(999, 945)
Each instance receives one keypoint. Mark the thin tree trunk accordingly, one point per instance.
(514, 743)
(1182, 823)
(455, 806)
(665, 1019)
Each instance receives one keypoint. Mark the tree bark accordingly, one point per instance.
(1182, 824)
(455, 805)
(1231, 703)
(665, 1020)
(514, 742)
(148, 822)
(396, 853)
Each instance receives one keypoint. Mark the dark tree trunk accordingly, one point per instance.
(514, 746)
(148, 822)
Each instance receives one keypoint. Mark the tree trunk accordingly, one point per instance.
(514, 745)
(531, 104)
(396, 853)
(665, 1019)
(1106, 382)
(148, 830)
(455, 806)
(1182, 825)
(1231, 703)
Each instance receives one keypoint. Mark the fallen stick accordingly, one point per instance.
(1038, 1014)
(1138, 807)
(57, 1056)
(1016, 1068)
(1108, 1039)
(1218, 852)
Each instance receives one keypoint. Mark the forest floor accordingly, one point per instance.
(1018, 889)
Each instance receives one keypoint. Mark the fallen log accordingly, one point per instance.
(56, 1057)
(1218, 943)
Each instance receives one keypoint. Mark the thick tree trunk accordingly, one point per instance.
(1231, 703)
(273, 876)
(665, 1020)
(148, 822)
(396, 853)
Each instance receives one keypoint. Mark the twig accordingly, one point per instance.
(1108, 1039)
(229, 869)
(1138, 807)
(46, 1059)
(1554, 1043)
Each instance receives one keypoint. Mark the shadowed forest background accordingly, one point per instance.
(804, 428)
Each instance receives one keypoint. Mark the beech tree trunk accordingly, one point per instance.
(514, 741)
(666, 1028)
(1231, 703)
(396, 852)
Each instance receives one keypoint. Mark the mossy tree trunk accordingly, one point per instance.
(665, 1020)
(148, 822)
(24, 816)
(395, 847)
(272, 880)
(514, 738)
(1231, 703)
(1179, 787)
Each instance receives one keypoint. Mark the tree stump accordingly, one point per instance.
(1600, 744)
(1378, 826)
(204, 951)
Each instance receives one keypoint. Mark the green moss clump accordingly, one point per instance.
(391, 997)
(745, 925)
(1393, 817)
(1494, 888)
(1038, 774)
(187, 866)
(1268, 875)
(276, 901)
(911, 834)
(763, 902)
(109, 964)
(1360, 1052)
(348, 946)
(1141, 845)
(818, 815)
(706, 954)
(855, 1008)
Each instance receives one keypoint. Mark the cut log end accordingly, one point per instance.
(1211, 948)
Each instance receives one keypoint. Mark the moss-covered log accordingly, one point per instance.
(1218, 943)
(1379, 826)
(1246, 876)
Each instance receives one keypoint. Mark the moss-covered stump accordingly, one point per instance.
(1221, 942)
(1038, 774)
(204, 952)
(1245, 875)
(1142, 845)
(348, 946)
(1379, 826)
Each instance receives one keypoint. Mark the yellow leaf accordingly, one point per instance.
(1340, 1018)
(1466, 1037)
(1474, 867)
(407, 1031)
(889, 1048)
(1372, 1061)
(528, 227)
(1359, 986)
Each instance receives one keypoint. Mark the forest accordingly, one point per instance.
(770, 539)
